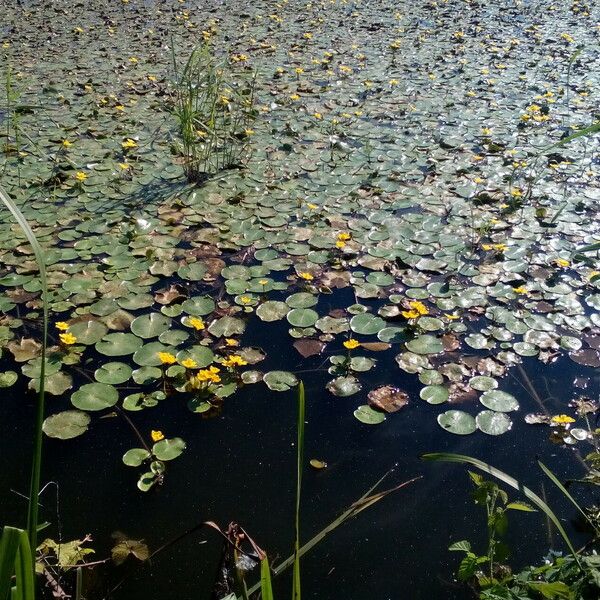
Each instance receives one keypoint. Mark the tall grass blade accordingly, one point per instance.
(9, 547)
(564, 490)
(363, 502)
(36, 464)
(296, 594)
(508, 480)
(24, 570)
(266, 588)
(79, 584)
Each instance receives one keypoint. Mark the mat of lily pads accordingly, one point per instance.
(406, 190)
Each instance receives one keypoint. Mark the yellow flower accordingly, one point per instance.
(157, 435)
(245, 299)
(234, 360)
(520, 290)
(486, 131)
(294, 97)
(419, 307)
(393, 82)
(166, 358)
(410, 314)
(561, 262)
(196, 323)
(307, 36)
(312, 206)
(299, 70)
(306, 276)
(562, 419)
(119, 107)
(317, 115)
(351, 344)
(340, 244)
(263, 281)
(66, 143)
(207, 375)
(516, 193)
(151, 78)
(248, 132)
(67, 338)
(129, 143)
(124, 166)
(133, 60)
(344, 236)
(62, 326)
(189, 363)
(80, 176)
(452, 317)
(231, 342)
(568, 38)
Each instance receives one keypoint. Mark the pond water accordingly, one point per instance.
(403, 185)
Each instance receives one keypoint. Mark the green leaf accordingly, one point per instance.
(462, 546)
(266, 587)
(523, 506)
(557, 590)
(66, 425)
(168, 449)
(365, 414)
(135, 457)
(95, 396)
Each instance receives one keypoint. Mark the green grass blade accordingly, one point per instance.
(9, 546)
(296, 594)
(25, 569)
(508, 480)
(564, 490)
(36, 464)
(266, 588)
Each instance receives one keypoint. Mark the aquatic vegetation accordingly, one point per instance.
(214, 111)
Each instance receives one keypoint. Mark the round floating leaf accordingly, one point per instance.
(147, 355)
(365, 414)
(88, 332)
(434, 394)
(301, 300)
(145, 376)
(146, 481)
(202, 355)
(457, 421)
(118, 344)
(135, 457)
(149, 326)
(66, 425)
(425, 344)
(344, 386)
(8, 378)
(199, 306)
(280, 381)
(113, 373)
(168, 449)
(227, 326)
(302, 317)
(95, 396)
(272, 310)
(482, 383)
(367, 324)
(493, 423)
(499, 401)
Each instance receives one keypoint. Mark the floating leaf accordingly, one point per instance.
(493, 423)
(425, 344)
(388, 398)
(95, 396)
(280, 381)
(344, 386)
(365, 414)
(168, 449)
(457, 421)
(151, 325)
(434, 394)
(66, 425)
(499, 401)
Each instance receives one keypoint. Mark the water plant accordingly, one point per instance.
(214, 112)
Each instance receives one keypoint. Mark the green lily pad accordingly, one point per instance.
(457, 421)
(113, 373)
(95, 396)
(434, 394)
(344, 386)
(227, 326)
(151, 325)
(365, 414)
(88, 332)
(66, 425)
(280, 381)
(425, 344)
(135, 457)
(302, 317)
(272, 310)
(499, 401)
(118, 344)
(8, 378)
(493, 423)
(168, 449)
(367, 324)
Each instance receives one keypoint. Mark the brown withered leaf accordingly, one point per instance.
(25, 349)
(309, 347)
(387, 398)
(168, 296)
(375, 346)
